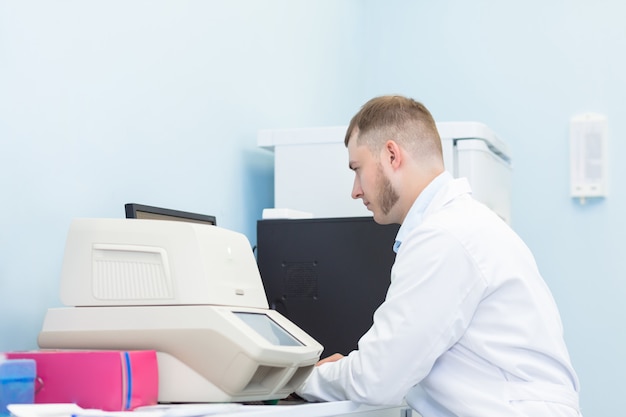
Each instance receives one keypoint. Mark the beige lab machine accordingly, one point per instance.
(193, 293)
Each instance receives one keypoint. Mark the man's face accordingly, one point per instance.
(371, 184)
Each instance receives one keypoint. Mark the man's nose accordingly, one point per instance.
(357, 192)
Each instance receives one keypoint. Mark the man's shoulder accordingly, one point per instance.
(465, 218)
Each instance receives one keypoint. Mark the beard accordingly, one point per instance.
(387, 197)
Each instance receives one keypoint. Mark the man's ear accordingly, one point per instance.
(393, 154)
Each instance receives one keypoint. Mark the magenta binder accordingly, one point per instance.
(108, 380)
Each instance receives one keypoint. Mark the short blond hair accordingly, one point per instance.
(402, 119)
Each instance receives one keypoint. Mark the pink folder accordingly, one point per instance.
(103, 379)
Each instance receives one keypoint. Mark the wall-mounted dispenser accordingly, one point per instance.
(588, 156)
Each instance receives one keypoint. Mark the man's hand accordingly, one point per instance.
(331, 358)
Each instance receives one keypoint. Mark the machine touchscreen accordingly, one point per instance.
(268, 328)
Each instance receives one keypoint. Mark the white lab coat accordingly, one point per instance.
(468, 327)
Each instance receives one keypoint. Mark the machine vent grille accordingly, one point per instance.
(130, 273)
(300, 280)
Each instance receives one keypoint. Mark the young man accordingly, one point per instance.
(468, 327)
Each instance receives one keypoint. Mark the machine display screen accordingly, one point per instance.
(268, 328)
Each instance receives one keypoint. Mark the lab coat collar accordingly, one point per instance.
(431, 197)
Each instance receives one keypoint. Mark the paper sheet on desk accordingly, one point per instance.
(73, 410)
(217, 410)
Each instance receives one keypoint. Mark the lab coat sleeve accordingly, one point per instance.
(435, 288)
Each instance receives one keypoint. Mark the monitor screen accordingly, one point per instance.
(141, 211)
(268, 328)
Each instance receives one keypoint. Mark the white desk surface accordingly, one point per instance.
(329, 409)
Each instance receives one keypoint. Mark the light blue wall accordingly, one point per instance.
(150, 101)
(524, 68)
(107, 102)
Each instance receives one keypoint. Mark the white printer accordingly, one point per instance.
(311, 171)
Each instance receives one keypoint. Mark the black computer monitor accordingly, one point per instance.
(142, 211)
(327, 276)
